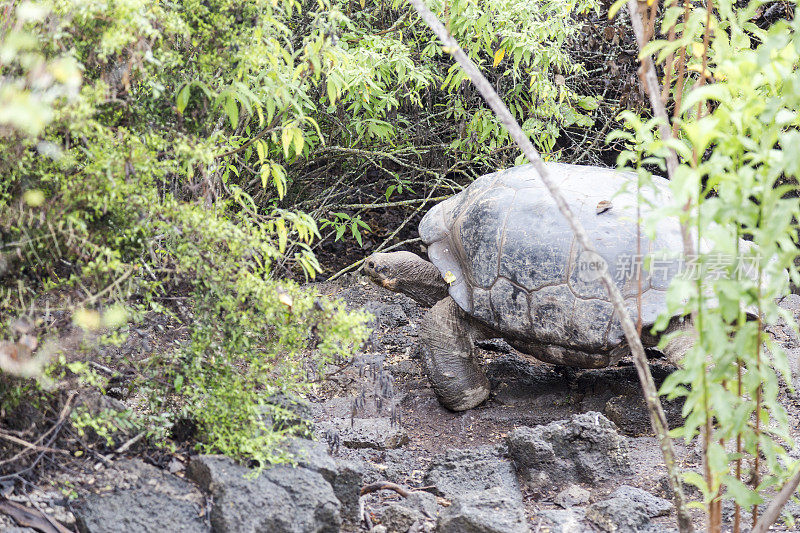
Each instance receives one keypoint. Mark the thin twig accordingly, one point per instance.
(681, 80)
(670, 63)
(30, 446)
(647, 72)
(124, 448)
(389, 204)
(270, 128)
(62, 416)
(657, 416)
(385, 485)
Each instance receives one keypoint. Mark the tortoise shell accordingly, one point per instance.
(514, 264)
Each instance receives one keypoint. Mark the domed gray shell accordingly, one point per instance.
(518, 268)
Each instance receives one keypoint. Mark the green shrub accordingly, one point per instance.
(118, 207)
(736, 182)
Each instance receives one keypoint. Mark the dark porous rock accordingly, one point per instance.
(487, 511)
(621, 515)
(654, 506)
(661, 487)
(350, 477)
(472, 470)
(571, 496)
(313, 455)
(424, 502)
(793, 358)
(281, 499)
(398, 518)
(345, 476)
(495, 345)
(586, 448)
(483, 488)
(515, 371)
(405, 368)
(790, 509)
(630, 414)
(558, 521)
(144, 499)
(96, 404)
(284, 411)
(386, 315)
(375, 433)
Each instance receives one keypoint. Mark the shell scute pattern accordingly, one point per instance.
(479, 228)
(515, 260)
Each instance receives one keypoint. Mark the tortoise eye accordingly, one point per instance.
(370, 264)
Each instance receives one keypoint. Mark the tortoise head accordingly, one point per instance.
(407, 273)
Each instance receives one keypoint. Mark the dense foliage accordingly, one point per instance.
(108, 219)
(735, 99)
(175, 160)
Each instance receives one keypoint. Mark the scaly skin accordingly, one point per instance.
(407, 273)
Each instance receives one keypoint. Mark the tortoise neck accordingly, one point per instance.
(424, 284)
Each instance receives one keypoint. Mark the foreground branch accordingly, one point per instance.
(647, 72)
(774, 508)
(657, 417)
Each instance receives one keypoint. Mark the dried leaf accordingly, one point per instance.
(498, 56)
(603, 206)
(285, 299)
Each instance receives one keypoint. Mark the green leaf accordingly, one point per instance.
(280, 227)
(178, 383)
(266, 173)
(260, 150)
(183, 97)
(356, 233)
(279, 179)
(616, 6)
(298, 141)
(498, 56)
(331, 90)
(232, 109)
(588, 103)
(693, 478)
(286, 140)
(741, 493)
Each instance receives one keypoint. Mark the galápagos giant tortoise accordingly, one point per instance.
(506, 264)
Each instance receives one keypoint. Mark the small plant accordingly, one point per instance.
(732, 129)
(342, 221)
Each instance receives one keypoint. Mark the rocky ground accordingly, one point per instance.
(552, 450)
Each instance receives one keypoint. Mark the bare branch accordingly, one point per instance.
(774, 508)
(647, 73)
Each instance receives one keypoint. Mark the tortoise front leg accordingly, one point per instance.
(448, 347)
